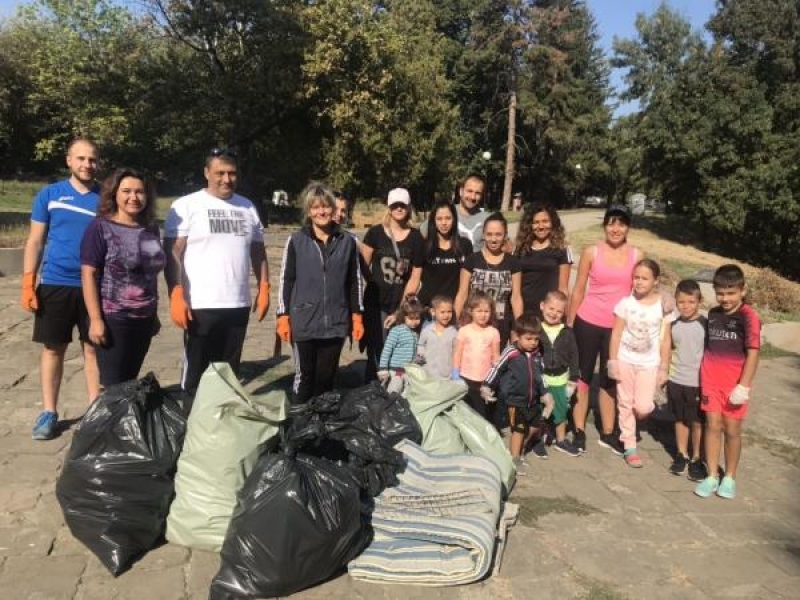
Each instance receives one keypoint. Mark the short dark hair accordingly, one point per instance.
(82, 140)
(226, 155)
(473, 175)
(527, 323)
(410, 307)
(689, 287)
(727, 276)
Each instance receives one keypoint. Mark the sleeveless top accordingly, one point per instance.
(607, 286)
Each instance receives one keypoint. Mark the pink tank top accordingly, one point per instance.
(607, 286)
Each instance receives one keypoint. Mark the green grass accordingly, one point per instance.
(16, 196)
(768, 351)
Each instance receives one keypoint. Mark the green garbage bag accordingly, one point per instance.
(450, 426)
(227, 431)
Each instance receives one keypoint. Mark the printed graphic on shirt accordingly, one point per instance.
(496, 284)
(393, 270)
(224, 220)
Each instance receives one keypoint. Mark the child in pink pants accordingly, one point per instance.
(639, 353)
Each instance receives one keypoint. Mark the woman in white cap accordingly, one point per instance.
(395, 253)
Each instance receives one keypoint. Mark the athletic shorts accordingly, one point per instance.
(61, 309)
(684, 402)
(561, 408)
(715, 400)
(522, 418)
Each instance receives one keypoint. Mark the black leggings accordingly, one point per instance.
(316, 363)
(488, 410)
(127, 343)
(593, 341)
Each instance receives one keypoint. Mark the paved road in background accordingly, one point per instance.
(590, 528)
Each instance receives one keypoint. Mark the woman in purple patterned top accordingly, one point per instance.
(121, 257)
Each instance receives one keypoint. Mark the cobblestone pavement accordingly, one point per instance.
(590, 526)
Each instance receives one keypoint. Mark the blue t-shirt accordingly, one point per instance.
(67, 213)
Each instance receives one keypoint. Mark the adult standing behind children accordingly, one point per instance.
(395, 253)
(211, 238)
(59, 216)
(543, 255)
(121, 257)
(320, 296)
(605, 276)
(445, 251)
(470, 213)
(495, 272)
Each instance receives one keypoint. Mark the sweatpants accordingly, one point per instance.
(214, 335)
(636, 389)
(316, 364)
(127, 343)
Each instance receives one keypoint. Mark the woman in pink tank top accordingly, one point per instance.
(605, 275)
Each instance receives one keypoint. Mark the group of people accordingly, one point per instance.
(456, 296)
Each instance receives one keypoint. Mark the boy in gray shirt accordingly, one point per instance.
(683, 387)
(438, 340)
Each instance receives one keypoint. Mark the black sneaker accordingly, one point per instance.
(579, 440)
(697, 470)
(539, 449)
(610, 441)
(567, 447)
(678, 466)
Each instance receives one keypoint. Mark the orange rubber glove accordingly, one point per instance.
(28, 299)
(358, 327)
(284, 328)
(261, 305)
(178, 309)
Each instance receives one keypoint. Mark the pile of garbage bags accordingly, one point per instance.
(290, 495)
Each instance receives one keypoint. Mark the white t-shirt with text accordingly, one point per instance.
(640, 343)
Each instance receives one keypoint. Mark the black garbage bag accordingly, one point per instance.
(389, 414)
(298, 520)
(117, 481)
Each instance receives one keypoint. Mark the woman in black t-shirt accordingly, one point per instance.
(495, 272)
(395, 253)
(544, 257)
(445, 252)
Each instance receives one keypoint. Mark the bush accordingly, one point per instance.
(768, 290)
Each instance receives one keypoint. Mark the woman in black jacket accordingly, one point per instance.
(320, 297)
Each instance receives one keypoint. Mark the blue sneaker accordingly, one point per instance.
(45, 426)
(727, 488)
(708, 486)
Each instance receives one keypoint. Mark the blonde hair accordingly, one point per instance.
(315, 191)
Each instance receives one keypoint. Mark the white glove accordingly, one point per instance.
(549, 405)
(487, 394)
(571, 387)
(383, 376)
(660, 398)
(612, 367)
(739, 395)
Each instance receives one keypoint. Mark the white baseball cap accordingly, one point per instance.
(398, 196)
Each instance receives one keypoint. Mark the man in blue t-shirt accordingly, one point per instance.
(59, 216)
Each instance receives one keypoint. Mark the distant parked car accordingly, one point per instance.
(594, 202)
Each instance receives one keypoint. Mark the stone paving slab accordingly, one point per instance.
(590, 526)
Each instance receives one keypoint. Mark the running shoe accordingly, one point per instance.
(632, 458)
(579, 440)
(539, 449)
(708, 486)
(610, 441)
(567, 447)
(678, 466)
(520, 465)
(45, 426)
(697, 470)
(727, 488)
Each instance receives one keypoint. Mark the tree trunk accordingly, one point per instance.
(508, 182)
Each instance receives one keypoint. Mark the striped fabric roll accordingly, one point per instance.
(438, 526)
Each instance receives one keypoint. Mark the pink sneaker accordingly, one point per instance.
(633, 459)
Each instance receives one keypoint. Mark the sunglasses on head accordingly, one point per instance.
(217, 152)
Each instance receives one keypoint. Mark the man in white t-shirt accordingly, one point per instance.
(212, 237)
(470, 214)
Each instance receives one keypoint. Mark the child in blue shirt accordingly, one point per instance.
(400, 347)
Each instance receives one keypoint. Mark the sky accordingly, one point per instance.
(614, 17)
